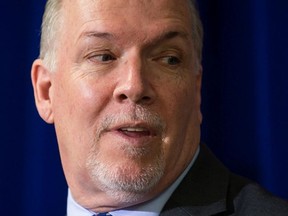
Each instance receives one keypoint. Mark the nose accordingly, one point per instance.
(134, 84)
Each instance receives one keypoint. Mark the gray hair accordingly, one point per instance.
(51, 24)
(52, 21)
(197, 29)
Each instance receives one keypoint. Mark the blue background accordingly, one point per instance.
(245, 101)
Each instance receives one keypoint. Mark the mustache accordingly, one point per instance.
(138, 115)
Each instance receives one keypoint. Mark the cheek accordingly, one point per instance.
(181, 119)
(76, 108)
(180, 114)
(180, 100)
(80, 100)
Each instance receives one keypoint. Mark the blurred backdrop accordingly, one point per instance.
(245, 101)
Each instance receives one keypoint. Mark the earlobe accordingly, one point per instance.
(41, 80)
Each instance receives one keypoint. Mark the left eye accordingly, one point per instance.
(103, 57)
(170, 60)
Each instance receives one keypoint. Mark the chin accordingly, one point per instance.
(126, 182)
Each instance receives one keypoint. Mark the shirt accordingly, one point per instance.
(150, 208)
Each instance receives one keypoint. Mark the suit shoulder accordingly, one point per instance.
(254, 200)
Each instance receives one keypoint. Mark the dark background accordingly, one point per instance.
(245, 101)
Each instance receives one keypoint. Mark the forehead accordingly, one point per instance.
(159, 6)
(80, 15)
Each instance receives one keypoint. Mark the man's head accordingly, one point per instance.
(121, 82)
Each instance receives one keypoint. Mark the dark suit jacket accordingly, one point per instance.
(210, 189)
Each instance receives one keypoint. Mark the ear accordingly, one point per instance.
(41, 80)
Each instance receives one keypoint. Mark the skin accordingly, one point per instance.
(122, 58)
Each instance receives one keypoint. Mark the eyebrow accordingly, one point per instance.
(165, 35)
(96, 34)
(171, 34)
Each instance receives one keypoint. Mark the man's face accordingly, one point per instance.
(125, 97)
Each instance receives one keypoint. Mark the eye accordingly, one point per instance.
(102, 58)
(170, 60)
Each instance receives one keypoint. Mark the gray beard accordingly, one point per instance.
(120, 182)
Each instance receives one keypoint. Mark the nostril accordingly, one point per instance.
(122, 97)
(146, 98)
(143, 99)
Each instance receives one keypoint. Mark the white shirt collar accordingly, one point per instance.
(151, 208)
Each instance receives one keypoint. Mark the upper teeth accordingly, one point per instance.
(133, 129)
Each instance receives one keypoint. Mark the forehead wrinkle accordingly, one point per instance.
(167, 35)
(114, 9)
(110, 36)
(96, 27)
(96, 34)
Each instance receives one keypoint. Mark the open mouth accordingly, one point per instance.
(135, 131)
